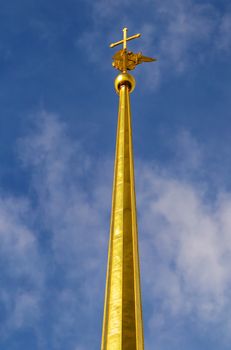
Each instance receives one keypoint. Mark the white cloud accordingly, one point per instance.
(61, 170)
(26, 310)
(188, 25)
(224, 33)
(72, 193)
(186, 251)
(21, 268)
(181, 34)
(184, 239)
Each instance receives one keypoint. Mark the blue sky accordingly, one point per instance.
(58, 126)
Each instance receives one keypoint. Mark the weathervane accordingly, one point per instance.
(127, 60)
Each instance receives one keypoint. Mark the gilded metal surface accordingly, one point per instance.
(122, 325)
(125, 39)
(125, 60)
(133, 59)
(125, 79)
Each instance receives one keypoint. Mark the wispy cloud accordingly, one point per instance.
(54, 244)
(182, 34)
(224, 33)
(21, 267)
(69, 188)
(186, 254)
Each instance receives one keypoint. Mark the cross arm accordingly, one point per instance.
(122, 41)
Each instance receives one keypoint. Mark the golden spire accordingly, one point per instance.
(122, 324)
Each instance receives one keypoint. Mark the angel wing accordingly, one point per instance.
(118, 60)
(118, 55)
(132, 60)
(137, 58)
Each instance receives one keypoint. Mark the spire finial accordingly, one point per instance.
(124, 60)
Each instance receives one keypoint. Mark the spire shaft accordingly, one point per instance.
(122, 325)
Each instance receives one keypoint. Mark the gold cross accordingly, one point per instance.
(125, 39)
